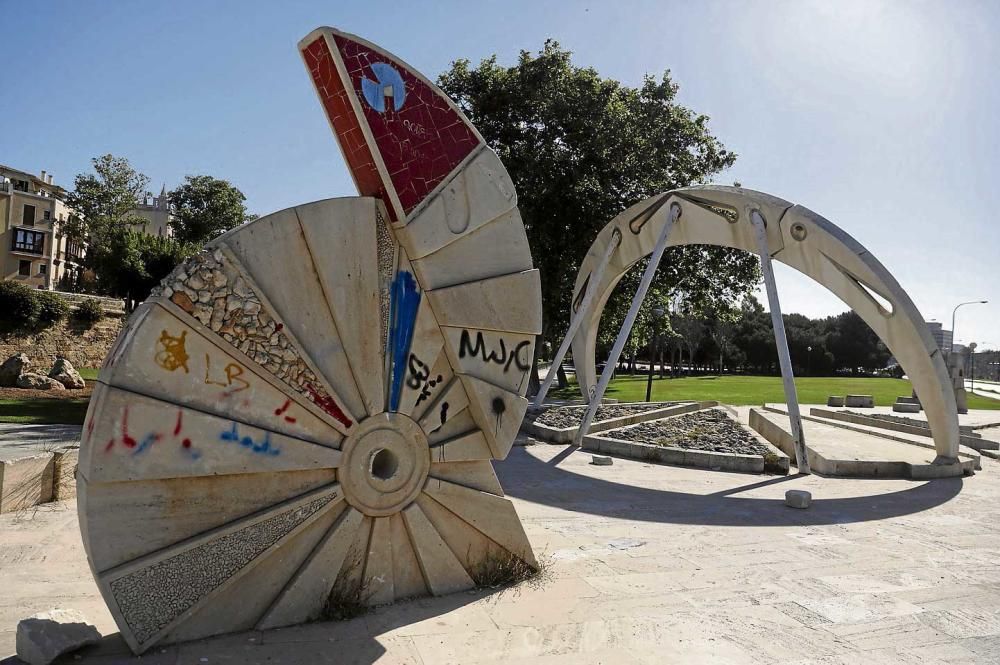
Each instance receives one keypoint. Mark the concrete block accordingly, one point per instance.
(798, 498)
(835, 400)
(64, 462)
(906, 407)
(44, 637)
(860, 401)
(25, 482)
(600, 460)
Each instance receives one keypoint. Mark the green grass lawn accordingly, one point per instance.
(70, 411)
(739, 390)
(44, 411)
(734, 390)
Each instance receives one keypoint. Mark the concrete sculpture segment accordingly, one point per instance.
(796, 236)
(305, 412)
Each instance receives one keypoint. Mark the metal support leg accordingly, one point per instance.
(781, 341)
(576, 320)
(616, 350)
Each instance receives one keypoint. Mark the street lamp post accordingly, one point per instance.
(809, 355)
(970, 302)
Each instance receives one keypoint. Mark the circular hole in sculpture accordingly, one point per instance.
(384, 464)
(799, 232)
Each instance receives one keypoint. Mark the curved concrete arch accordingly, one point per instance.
(798, 237)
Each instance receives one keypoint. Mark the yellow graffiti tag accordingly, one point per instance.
(234, 374)
(170, 351)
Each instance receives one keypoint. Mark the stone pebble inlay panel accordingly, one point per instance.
(209, 287)
(151, 598)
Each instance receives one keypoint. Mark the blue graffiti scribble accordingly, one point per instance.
(386, 79)
(405, 300)
(262, 448)
(148, 441)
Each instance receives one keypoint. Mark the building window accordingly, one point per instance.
(32, 242)
(20, 185)
(28, 218)
(24, 268)
(43, 269)
(47, 215)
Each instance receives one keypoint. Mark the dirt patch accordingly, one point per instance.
(24, 393)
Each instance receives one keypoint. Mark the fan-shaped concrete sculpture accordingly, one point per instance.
(306, 410)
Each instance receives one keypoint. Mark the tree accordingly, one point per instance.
(104, 202)
(580, 149)
(103, 205)
(205, 207)
(134, 262)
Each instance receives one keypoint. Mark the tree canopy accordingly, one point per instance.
(205, 207)
(121, 260)
(104, 202)
(582, 148)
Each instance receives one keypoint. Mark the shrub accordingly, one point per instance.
(51, 308)
(89, 311)
(19, 306)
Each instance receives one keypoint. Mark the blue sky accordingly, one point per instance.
(881, 116)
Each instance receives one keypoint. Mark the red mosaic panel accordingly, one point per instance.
(423, 141)
(345, 123)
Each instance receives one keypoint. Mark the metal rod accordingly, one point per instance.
(578, 318)
(640, 295)
(781, 341)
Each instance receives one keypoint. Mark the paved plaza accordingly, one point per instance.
(647, 564)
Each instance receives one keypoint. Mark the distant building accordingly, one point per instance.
(942, 337)
(157, 213)
(32, 249)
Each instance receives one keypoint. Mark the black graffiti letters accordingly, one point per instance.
(418, 372)
(517, 356)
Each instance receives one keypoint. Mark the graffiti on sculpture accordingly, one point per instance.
(516, 355)
(170, 352)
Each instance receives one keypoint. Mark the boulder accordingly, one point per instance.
(64, 372)
(46, 636)
(798, 498)
(601, 460)
(38, 382)
(12, 368)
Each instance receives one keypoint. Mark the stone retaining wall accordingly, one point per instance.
(84, 345)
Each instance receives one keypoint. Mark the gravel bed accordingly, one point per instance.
(561, 417)
(712, 430)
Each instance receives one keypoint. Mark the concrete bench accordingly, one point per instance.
(835, 400)
(860, 401)
(906, 407)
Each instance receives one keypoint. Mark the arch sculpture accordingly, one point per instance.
(796, 236)
(304, 413)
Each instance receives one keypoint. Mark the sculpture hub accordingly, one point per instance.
(384, 464)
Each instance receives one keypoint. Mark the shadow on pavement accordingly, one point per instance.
(526, 477)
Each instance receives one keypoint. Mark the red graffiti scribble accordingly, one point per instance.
(126, 439)
(111, 444)
(284, 407)
(186, 443)
(327, 403)
(177, 427)
(278, 327)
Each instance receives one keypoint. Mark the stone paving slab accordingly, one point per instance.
(648, 564)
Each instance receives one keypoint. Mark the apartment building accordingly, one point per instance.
(32, 250)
